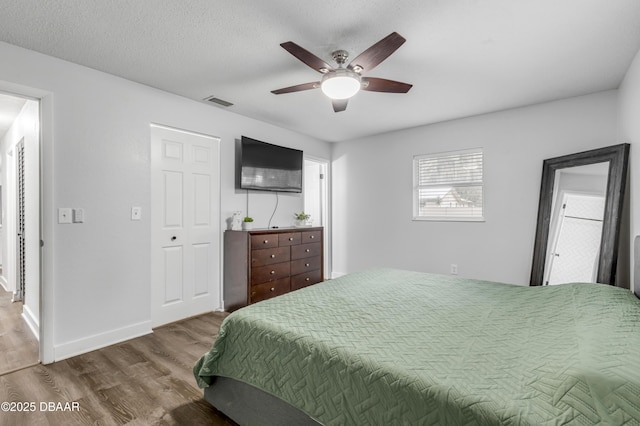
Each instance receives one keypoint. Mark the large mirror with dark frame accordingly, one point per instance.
(579, 213)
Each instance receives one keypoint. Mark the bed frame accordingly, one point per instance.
(248, 405)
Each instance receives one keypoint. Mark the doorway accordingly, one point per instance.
(20, 258)
(316, 200)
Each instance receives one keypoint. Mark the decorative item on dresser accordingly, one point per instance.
(247, 223)
(303, 219)
(260, 264)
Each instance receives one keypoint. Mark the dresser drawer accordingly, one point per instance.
(311, 237)
(305, 279)
(289, 239)
(267, 273)
(304, 265)
(269, 256)
(306, 250)
(269, 290)
(264, 241)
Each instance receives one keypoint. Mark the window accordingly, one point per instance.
(448, 186)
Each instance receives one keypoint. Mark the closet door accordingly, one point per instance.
(185, 221)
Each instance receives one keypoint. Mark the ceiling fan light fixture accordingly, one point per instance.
(340, 84)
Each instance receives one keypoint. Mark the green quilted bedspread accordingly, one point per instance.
(391, 347)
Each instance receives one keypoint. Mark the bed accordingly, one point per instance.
(390, 347)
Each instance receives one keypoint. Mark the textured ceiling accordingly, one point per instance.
(464, 57)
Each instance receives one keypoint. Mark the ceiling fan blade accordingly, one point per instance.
(307, 57)
(339, 104)
(383, 85)
(297, 88)
(377, 53)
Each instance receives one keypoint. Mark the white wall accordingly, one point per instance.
(372, 189)
(101, 157)
(629, 131)
(24, 128)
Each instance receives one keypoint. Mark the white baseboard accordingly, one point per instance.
(31, 320)
(335, 275)
(98, 341)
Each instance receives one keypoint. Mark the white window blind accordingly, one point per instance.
(449, 186)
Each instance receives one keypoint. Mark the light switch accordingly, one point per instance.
(64, 215)
(78, 215)
(136, 213)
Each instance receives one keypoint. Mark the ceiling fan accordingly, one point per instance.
(342, 83)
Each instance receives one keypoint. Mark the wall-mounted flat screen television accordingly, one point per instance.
(268, 167)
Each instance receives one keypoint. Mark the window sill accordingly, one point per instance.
(448, 219)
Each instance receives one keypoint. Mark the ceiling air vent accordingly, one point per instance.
(218, 101)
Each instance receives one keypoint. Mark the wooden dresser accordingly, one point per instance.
(265, 263)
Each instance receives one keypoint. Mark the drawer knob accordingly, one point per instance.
(272, 272)
(273, 256)
(307, 265)
(290, 238)
(307, 250)
(265, 241)
(312, 237)
(307, 279)
(273, 289)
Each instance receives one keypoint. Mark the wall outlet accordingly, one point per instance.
(136, 213)
(454, 269)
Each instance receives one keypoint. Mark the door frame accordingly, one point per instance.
(47, 215)
(326, 213)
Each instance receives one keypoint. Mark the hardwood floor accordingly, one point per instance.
(18, 345)
(143, 381)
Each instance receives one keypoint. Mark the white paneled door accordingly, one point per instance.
(185, 235)
(576, 246)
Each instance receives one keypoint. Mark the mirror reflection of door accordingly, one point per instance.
(575, 248)
(576, 224)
